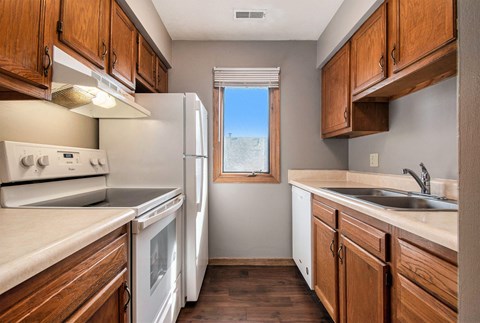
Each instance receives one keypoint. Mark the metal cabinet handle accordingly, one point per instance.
(331, 248)
(114, 59)
(392, 54)
(129, 293)
(340, 253)
(104, 53)
(381, 63)
(345, 113)
(47, 61)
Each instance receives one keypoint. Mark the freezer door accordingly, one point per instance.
(196, 127)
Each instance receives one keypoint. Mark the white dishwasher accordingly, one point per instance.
(302, 232)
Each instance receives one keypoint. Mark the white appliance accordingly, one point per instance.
(302, 232)
(85, 91)
(156, 259)
(167, 149)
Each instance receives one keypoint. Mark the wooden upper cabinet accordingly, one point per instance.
(83, 26)
(336, 92)
(368, 56)
(341, 117)
(123, 47)
(26, 50)
(325, 266)
(363, 289)
(146, 61)
(162, 77)
(420, 27)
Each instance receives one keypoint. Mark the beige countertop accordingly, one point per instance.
(31, 240)
(439, 227)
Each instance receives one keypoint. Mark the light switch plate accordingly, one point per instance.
(374, 160)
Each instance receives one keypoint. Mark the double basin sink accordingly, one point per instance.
(397, 200)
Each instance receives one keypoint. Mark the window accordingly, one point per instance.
(246, 126)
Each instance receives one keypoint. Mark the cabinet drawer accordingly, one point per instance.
(325, 213)
(66, 291)
(416, 305)
(366, 236)
(430, 272)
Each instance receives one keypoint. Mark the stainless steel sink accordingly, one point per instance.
(411, 203)
(396, 200)
(363, 191)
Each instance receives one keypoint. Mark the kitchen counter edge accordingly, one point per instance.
(438, 227)
(19, 269)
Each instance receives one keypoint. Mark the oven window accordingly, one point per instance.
(162, 253)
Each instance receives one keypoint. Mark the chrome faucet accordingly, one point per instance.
(424, 179)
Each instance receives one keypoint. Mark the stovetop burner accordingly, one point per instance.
(108, 197)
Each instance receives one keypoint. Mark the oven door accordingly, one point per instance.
(156, 262)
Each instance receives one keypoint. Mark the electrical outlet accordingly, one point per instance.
(374, 160)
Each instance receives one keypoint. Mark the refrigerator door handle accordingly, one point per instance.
(194, 156)
(202, 179)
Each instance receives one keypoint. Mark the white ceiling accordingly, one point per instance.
(213, 19)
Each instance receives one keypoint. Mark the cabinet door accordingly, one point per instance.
(26, 48)
(420, 27)
(162, 77)
(369, 46)
(56, 293)
(326, 266)
(363, 290)
(110, 304)
(146, 61)
(336, 92)
(416, 305)
(123, 47)
(83, 27)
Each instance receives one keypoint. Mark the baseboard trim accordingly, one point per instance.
(251, 262)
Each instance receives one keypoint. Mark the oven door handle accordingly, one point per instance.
(143, 222)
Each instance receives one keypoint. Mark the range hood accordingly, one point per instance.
(83, 90)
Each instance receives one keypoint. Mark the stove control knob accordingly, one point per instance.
(94, 161)
(43, 161)
(102, 161)
(28, 161)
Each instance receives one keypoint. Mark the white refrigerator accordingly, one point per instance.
(167, 149)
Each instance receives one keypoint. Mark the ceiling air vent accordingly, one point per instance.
(249, 14)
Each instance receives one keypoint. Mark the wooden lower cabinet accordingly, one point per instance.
(363, 289)
(90, 285)
(325, 266)
(366, 270)
(107, 305)
(416, 305)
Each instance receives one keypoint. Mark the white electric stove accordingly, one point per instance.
(45, 176)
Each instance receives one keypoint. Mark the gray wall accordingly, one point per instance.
(423, 128)
(469, 121)
(46, 123)
(254, 220)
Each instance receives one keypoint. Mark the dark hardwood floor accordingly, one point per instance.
(254, 294)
